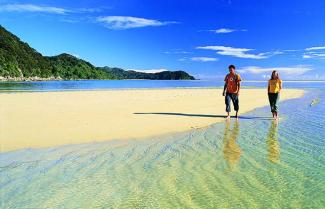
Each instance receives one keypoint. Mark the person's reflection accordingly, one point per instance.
(273, 144)
(231, 150)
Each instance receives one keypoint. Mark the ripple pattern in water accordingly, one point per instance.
(252, 163)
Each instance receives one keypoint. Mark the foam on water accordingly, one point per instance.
(252, 163)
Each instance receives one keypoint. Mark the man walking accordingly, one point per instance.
(231, 90)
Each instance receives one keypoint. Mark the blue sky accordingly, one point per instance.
(200, 37)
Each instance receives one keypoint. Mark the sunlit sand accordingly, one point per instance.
(42, 119)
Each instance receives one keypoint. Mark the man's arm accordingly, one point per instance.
(238, 88)
(225, 86)
(238, 79)
(224, 89)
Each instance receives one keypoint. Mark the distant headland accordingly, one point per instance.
(20, 62)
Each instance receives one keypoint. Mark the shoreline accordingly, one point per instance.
(45, 119)
(40, 79)
(29, 79)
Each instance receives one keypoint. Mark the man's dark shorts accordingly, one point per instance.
(234, 98)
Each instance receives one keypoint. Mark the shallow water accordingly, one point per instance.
(252, 163)
(138, 84)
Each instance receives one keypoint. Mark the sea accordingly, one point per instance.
(252, 162)
(78, 85)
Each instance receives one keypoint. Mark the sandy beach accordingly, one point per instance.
(42, 119)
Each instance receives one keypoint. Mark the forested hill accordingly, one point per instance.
(19, 60)
(165, 75)
(67, 66)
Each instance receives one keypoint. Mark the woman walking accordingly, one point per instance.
(274, 88)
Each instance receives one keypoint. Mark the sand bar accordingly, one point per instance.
(42, 119)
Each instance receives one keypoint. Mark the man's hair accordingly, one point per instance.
(232, 66)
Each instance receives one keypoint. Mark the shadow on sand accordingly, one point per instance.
(202, 115)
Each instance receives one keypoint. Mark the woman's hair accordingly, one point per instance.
(275, 73)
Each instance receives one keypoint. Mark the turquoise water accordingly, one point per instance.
(103, 84)
(126, 84)
(252, 163)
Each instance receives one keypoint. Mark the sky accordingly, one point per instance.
(200, 37)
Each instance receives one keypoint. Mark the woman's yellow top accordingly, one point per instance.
(275, 85)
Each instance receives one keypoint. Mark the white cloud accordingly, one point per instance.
(266, 76)
(288, 71)
(181, 52)
(315, 48)
(239, 52)
(76, 55)
(316, 52)
(126, 22)
(305, 56)
(225, 30)
(273, 53)
(89, 10)
(314, 56)
(177, 51)
(44, 9)
(32, 8)
(149, 71)
(204, 76)
(204, 59)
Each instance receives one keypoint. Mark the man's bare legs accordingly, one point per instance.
(228, 115)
